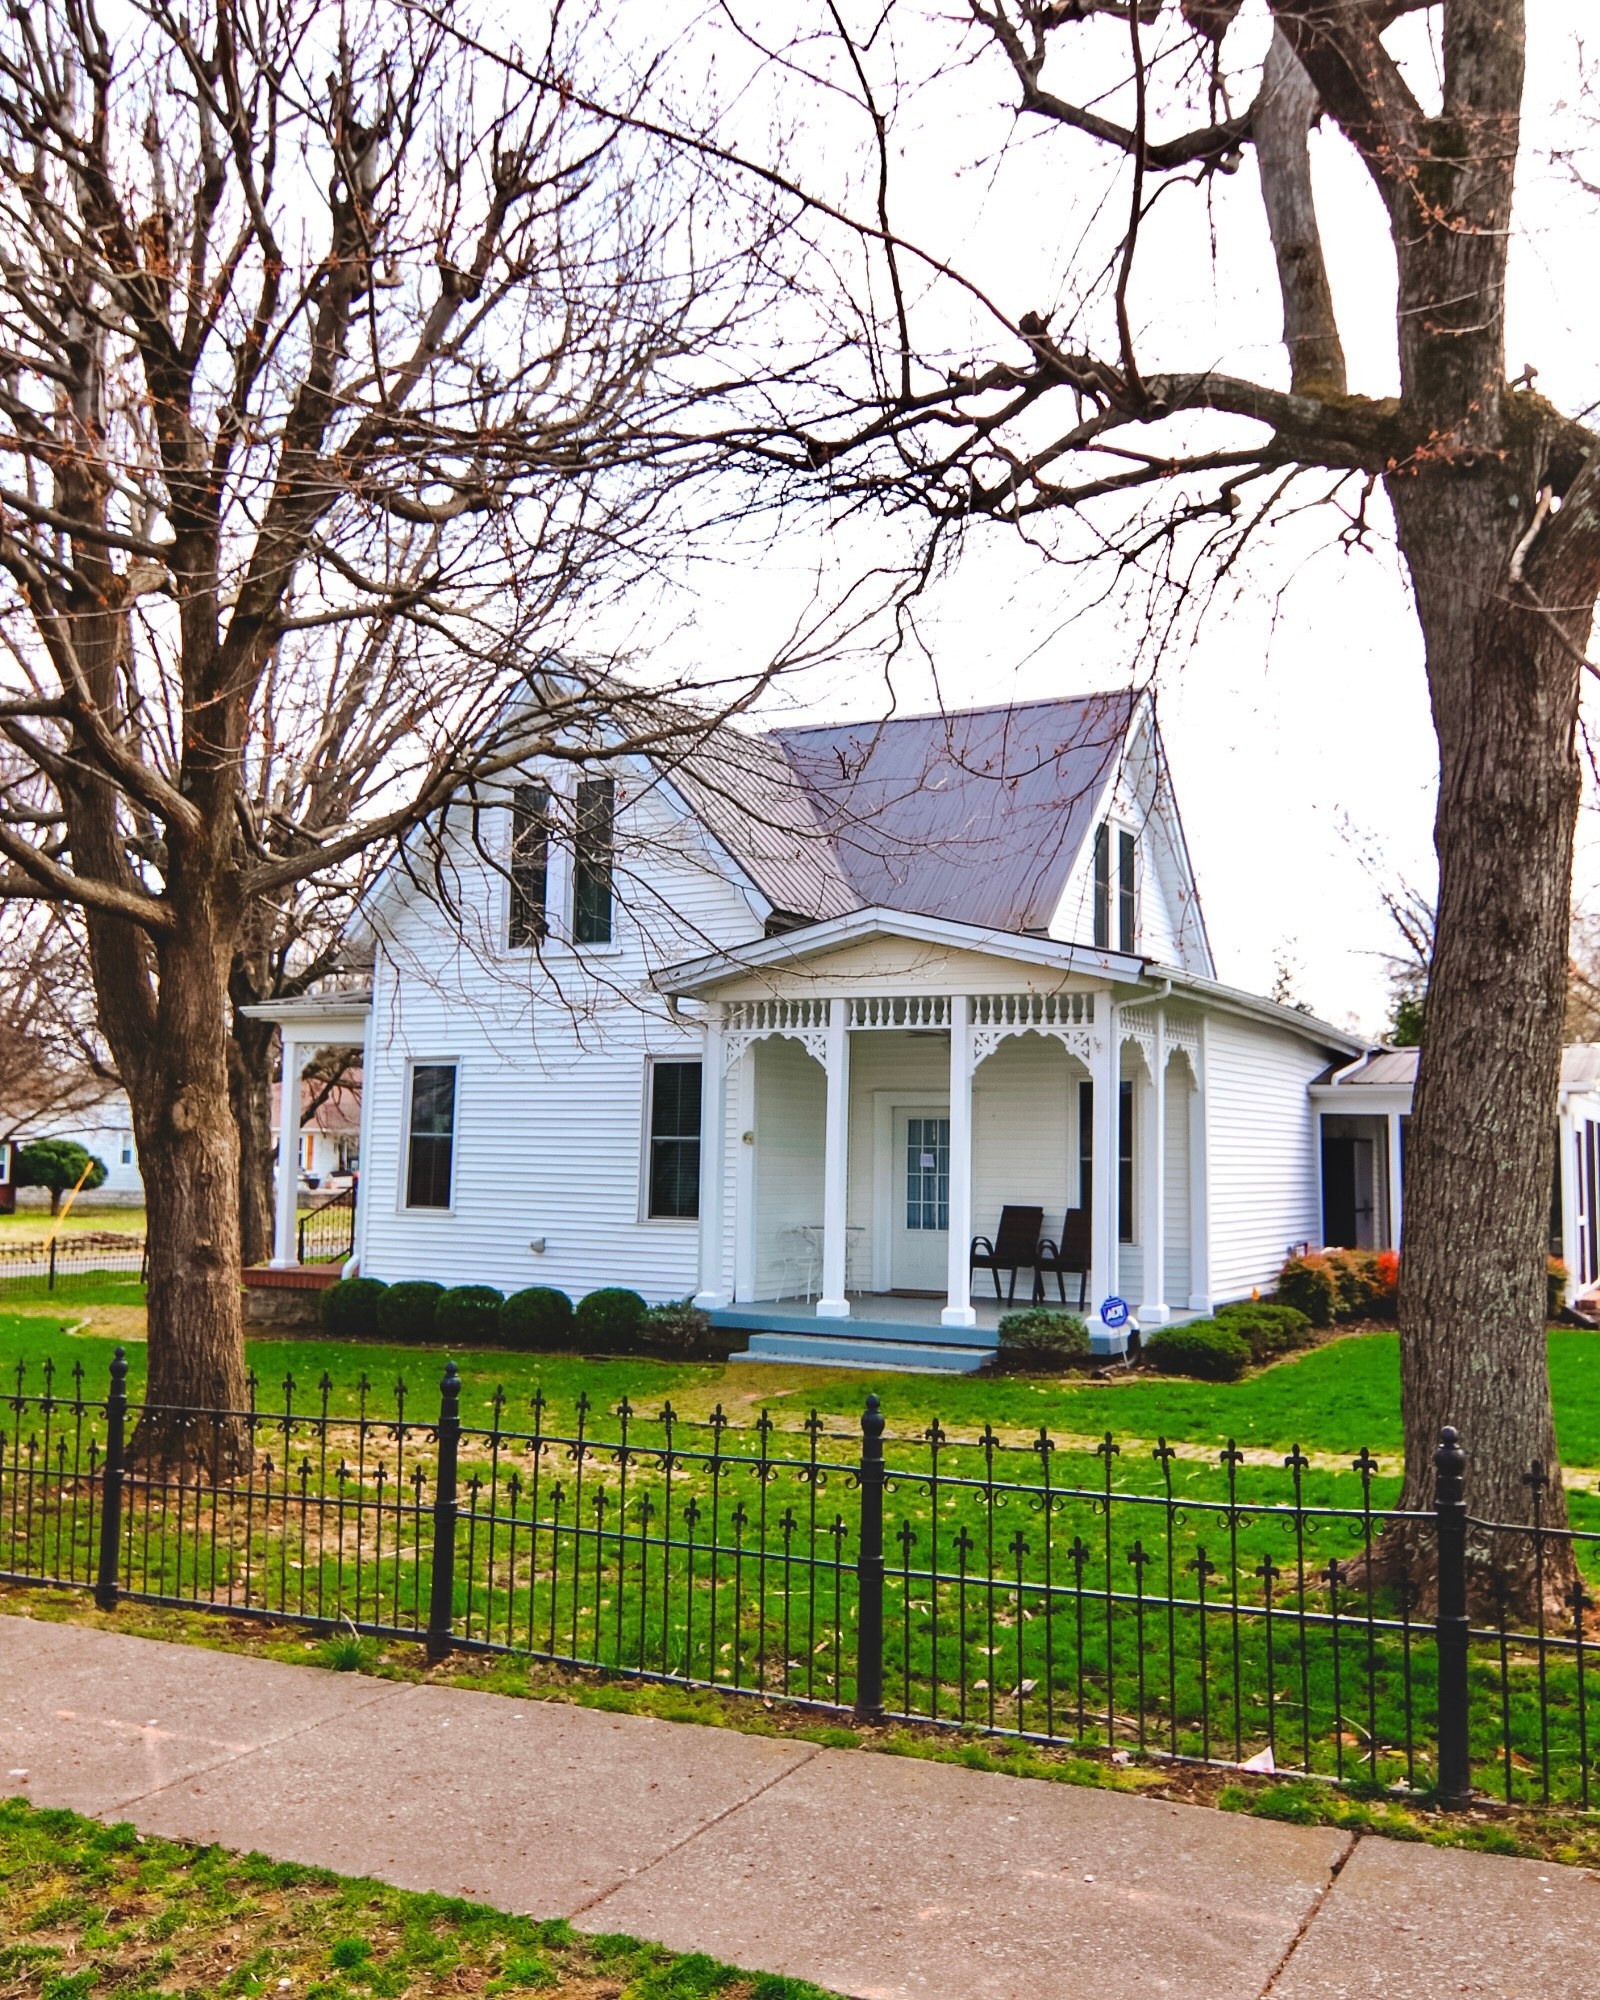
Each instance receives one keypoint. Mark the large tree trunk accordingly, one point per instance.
(189, 1156)
(1503, 679)
(250, 1067)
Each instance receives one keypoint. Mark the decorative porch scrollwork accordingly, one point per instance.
(746, 1022)
(1068, 1018)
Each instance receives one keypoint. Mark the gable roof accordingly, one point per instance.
(976, 816)
(1396, 1069)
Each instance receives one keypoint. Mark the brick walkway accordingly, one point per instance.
(887, 1878)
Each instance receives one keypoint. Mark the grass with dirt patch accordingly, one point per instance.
(87, 1909)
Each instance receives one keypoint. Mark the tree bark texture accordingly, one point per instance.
(252, 1049)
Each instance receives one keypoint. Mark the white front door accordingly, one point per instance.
(920, 1217)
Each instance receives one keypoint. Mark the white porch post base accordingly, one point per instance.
(713, 1169)
(957, 1310)
(835, 1149)
(1154, 1315)
(286, 1217)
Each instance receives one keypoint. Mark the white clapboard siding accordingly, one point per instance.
(552, 1077)
(791, 1108)
(1261, 1150)
(1176, 1171)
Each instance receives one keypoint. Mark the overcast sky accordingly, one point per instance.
(1297, 721)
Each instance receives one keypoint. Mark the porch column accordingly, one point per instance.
(286, 1220)
(958, 1304)
(713, 1289)
(1396, 1193)
(835, 1147)
(1103, 1175)
(1199, 1189)
(742, 1089)
(1153, 1310)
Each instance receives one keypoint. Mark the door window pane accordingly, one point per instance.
(927, 1173)
(432, 1135)
(1125, 1162)
(674, 1139)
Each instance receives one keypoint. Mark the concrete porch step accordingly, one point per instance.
(843, 1350)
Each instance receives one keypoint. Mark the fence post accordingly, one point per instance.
(441, 1596)
(105, 1576)
(869, 1570)
(1451, 1626)
(50, 1287)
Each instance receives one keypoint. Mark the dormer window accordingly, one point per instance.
(529, 864)
(1123, 895)
(591, 861)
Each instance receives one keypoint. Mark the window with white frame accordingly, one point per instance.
(594, 814)
(672, 1145)
(529, 865)
(431, 1135)
(1116, 887)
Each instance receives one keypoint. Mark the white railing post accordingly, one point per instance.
(958, 1304)
(1153, 1311)
(713, 1290)
(1396, 1182)
(287, 1218)
(1103, 1177)
(833, 1303)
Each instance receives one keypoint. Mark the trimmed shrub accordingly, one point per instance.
(1555, 1287)
(535, 1319)
(468, 1316)
(1269, 1327)
(349, 1309)
(1203, 1348)
(1309, 1285)
(678, 1329)
(608, 1321)
(406, 1311)
(1041, 1340)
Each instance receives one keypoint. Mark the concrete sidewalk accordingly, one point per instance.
(878, 1876)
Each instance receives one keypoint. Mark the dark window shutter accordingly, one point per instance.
(1102, 886)
(1125, 1162)
(1127, 908)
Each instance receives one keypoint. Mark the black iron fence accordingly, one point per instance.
(327, 1231)
(65, 1261)
(1162, 1600)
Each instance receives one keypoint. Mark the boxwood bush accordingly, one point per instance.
(1203, 1348)
(406, 1311)
(1041, 1339)
(349, 1309)
(678, 1330)
(1269, 1327)
(538, 1319)
(468, 1316)
(608, 1321)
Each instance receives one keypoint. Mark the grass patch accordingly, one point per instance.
(86, 1908)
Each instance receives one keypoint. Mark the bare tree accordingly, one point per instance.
(1054, 419)
(53, 1063)
(311, 324)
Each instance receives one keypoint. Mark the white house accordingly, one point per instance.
(784, 1021)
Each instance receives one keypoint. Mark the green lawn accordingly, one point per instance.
(35, 1224)
(1027, 1588)
(88, 1909)
(1334, 1399)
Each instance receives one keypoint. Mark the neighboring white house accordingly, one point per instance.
(784, 1021)
(104, 1129)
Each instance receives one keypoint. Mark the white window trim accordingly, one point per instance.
(403, 1179)
(650, 1061)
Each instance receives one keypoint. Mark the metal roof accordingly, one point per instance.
(976, 816)
(1396, 1069)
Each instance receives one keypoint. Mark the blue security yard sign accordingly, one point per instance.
(1115, 1312)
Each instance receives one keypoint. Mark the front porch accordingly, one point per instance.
(853, 1143)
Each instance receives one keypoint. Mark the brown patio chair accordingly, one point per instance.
(1071, 1253)
(1014, 1247)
